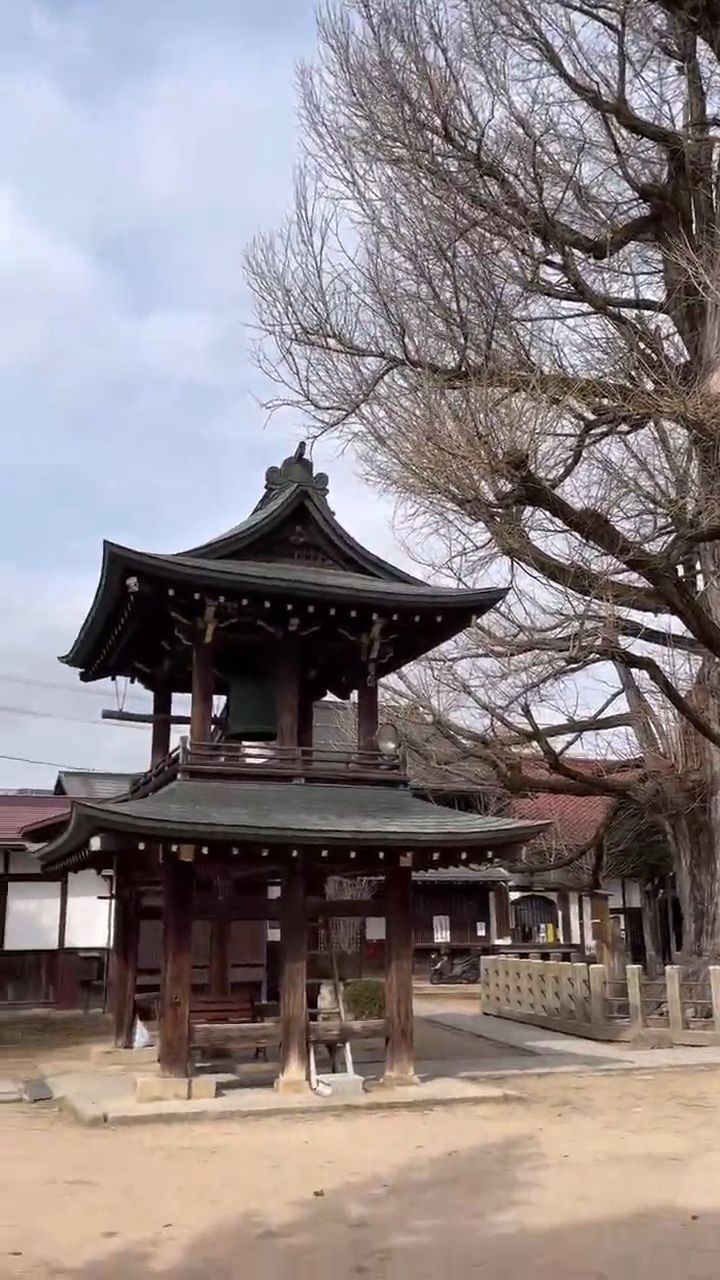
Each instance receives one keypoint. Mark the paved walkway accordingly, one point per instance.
(526, 1044)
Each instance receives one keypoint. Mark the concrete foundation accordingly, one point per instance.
(203, 1087)
(163, 1089)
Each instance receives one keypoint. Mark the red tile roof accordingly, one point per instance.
(577, 820)
(19, 810)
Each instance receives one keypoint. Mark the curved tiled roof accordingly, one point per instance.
(283, 812)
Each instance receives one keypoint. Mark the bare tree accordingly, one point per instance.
(500, 282)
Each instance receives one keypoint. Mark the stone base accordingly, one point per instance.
(292, 1084)
(203, 1087)
(404, 1081)
(162, 1089)
(342, 1084)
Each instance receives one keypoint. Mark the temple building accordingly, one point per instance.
(235, 833)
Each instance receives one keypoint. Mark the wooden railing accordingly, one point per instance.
(268, 760)
(166, 770)
(584, 1000)
(233, 760)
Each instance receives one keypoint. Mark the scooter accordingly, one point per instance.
(444, 969)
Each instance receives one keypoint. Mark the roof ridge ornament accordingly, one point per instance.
(296, 469)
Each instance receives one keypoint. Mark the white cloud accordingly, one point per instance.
(140, 148)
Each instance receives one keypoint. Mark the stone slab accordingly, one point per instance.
(203, 1087)
(341, 1084)
(10, 1090)
(247, 1104)
(161, 1089)
(37, 1090)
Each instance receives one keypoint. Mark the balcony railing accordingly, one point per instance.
(267, 761)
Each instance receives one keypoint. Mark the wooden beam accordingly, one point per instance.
(123, 965)
(293, 983)
(203, 688)
(342, 907)
(287, 695)
(161, 721)
(240, 908)
(145, 717)
(399, 1052)
(178, 886)
(367, 722)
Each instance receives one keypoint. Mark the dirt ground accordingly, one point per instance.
(596, 1176)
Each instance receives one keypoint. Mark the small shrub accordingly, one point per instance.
(364, 998)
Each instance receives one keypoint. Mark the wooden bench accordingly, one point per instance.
(239, 1006)
(226, 1021)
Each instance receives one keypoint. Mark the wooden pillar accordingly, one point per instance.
(399, 1052)
(67, 988)
(305, 719)
(503, 918)
(126, 936)
(367, 725)
(287, 695)
(220, 953)
(293, 982)
(162, 711)
(600, 916)
(178, 886)
(203, 687)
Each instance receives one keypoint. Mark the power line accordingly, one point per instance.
(53, 764)
(54, 715)
(7, 677)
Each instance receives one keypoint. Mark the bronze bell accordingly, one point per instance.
(251, 710)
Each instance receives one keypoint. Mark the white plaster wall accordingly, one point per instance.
(87, 915)
(615, 897)
(33, 915)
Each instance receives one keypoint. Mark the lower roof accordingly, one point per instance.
(282, 813)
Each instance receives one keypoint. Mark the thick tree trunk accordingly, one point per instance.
(695, 832)
(695, 843)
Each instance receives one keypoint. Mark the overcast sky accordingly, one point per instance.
(141, 146)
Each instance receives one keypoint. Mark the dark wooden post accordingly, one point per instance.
(305, 719)
(178, 884)
(399, 1052)
(287, 695)
(367, 715)
(126, 936)
(220, 952)
(293, 982)
(162, 711)
(203, 687)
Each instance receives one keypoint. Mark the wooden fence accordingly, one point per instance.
(581, 1000)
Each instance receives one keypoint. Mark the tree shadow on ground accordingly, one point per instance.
(450, 1216)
